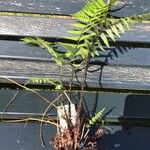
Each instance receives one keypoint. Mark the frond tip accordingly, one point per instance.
(97, 117)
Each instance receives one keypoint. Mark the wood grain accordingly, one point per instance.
(28, 26)
(42, 6)
(69, 6)
(115, 77)
(23, 136)
(119, 107)
(58, 27)
(127, 56)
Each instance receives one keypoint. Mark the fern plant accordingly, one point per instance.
(95, 27)
(92, 32)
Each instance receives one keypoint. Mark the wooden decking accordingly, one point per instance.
(120, 82)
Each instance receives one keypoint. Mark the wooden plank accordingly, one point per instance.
(30, 26)
(42, 6)
(124, 56)
(121, 77)
(58, 26)
(126, 138)
(25, 103)
(123, 108)
(24, 136)
(132, 7)
(139, 32)
(69, 7)
(119, 56)
(17, 49)
(119, 105)
(115, 77)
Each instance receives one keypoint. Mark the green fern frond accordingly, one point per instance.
(91, 9)
(105, 40)
(110, 34)
(42, 43)
(79, 25)
(58, 85)
(83, 52)
(97, 117)
(94, 29)
(141, 18)
(56, 56)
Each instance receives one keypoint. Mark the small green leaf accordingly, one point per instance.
(99, 45)
(88, 44)
(75, 32)
(125, 23)
(89, 13)
(111, 35)
(83, 18)
(79, 25)
(83, 52)
(96, 53)
(120, 27)
(92, 54)
(114, 29)
(101, 3)
(58, 87)
(58, 62)
(69, 53)
(68, 45)
(87, 36)
(104, 38)
(74, 38)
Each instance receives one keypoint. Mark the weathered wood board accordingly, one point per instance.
(68, 6)
(57, 27)
(126, 138)
(121, 86)
(111, 77)
(24, 136)
(42, 6)
(120, 56)
(118, 106)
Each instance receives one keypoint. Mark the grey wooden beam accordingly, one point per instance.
(69, 6)
(24, 136)
(42, 6)
(132, 7)
(126, 138)
(57, 27)
(30, 26)
(127, 56)
(115, 77)
(120, 108)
